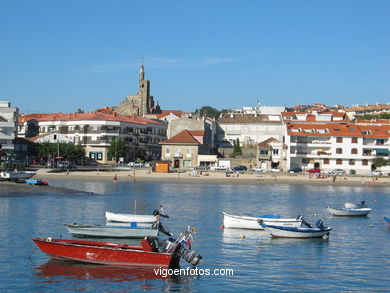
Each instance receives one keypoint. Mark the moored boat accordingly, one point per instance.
(128, 218)
(37, 182)
(387, 220)
(16, 175)
(149, 254)
(361, 212)
(247, 222)
(298, 232)
(130, 231)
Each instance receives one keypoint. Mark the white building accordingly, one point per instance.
(331, 146)
(95, 131)
(250, 129)
(8, 126)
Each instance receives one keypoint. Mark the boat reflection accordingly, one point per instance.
(81, 271)
(233, 235)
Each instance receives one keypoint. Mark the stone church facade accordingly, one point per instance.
(141, 103)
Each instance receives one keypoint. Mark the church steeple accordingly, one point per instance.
(141, 70)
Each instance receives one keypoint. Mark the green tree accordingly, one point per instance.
(209, 112)
(379, 162)
(117, 148)
(79, 111)
(237, 150)
(68, 151)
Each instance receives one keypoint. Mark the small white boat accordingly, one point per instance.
(16, 175)
(128, 218)
(298, 232)
(351, 205)
(247, 222)
(130, 231)
(349, 212)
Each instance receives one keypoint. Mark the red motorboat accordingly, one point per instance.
(150, 253)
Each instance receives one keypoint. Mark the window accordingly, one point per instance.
(167, 152)
(187, 163)
(339, 139)
(305, 161)
(339, 151)
(365, 162)
(189, 152)
(55, 136)
(326, 161)
(352, 162)
(275, 152)
(354, 140)
(177, 152)
(339, 161)
(263, 152)
(99, 156)
(354, 151)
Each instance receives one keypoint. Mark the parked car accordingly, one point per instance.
(240, 168)
(337, 172)
(63, 164)
(295, 170)
(375, 173)
(257, 170)
(314, 171)
(220, 168)
(275, 170)
(136, 164)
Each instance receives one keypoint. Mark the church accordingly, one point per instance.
(141, 103)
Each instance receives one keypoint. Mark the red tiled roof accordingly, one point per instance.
(99, 116)
(183, 137)
(164, 113)
(266, 142)
(339, 129)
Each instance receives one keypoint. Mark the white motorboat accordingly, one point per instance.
(129, 218)
(16, 175)
(247, 222)
(298, 232)
(130, 231)
(361, 212)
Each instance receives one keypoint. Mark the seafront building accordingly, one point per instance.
(96, 130)
(329, 146)
(8, 127)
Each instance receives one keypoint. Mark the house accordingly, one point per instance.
(183, 149)
(271, 154)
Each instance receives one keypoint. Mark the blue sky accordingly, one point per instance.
(58, 56)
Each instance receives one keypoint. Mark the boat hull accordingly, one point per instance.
(104, 253)
(128, 218)
(246, 222)
(387, 220)
(349, 212)
(17, 175)
(291, 232)
(111, 231)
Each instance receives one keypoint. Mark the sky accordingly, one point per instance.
(58, 56)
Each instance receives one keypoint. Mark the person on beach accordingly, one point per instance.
(334, 178)
(115, 179)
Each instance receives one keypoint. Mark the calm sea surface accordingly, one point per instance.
(354, 258)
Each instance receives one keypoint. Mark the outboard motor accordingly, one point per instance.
(320, 224)
(192, 258)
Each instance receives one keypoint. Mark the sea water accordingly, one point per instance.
(354, 258)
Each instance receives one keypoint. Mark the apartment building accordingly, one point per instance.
(331, 146)
(8, 126)
(96, 130)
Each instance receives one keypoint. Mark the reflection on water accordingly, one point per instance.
(80, 271)
(354, 258)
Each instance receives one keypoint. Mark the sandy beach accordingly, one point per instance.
(147, 175)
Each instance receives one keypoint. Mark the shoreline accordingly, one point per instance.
(146, 175)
